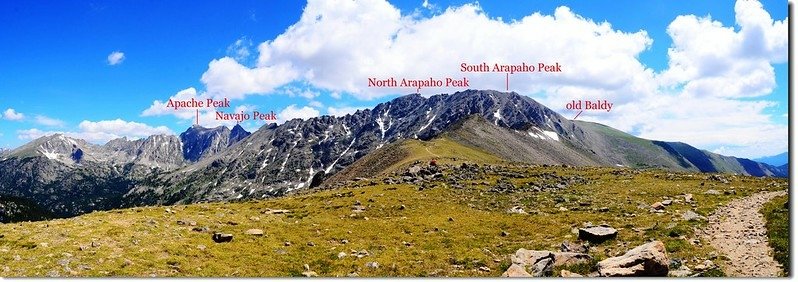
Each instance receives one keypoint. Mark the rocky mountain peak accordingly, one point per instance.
(238, 133)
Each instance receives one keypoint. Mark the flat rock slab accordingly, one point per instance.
(597, 234)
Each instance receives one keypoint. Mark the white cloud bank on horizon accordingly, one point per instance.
(101, 131)
(337, 45)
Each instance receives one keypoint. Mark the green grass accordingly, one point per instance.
(778, 225)
(419, 240)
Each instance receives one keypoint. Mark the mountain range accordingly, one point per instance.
(775, 160)
(64, 176)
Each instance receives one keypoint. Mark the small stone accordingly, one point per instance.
(604, 209)
(657, 206)
(201, 247)
(221, 237)
(712, 192)
(484, 269)
(373, 265)
(309, 274)
(254, 232)
(311, 244)
(341, 255)
(667, 202)
(451, 219)
(568, 274)
(504, 233)
(200, 229)
(402, 207)
(287, 244)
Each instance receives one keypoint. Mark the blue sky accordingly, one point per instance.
(55, 71)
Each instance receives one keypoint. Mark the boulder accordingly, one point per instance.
(516, 270)
(649, 259)
(534, 263)
(222, 238)
(597, 234)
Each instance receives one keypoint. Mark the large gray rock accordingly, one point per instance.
(597, 234)
(649, 259)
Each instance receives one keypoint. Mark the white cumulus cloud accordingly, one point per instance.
(292, 112)
(11, 114)
(706, 96)
(115, 58)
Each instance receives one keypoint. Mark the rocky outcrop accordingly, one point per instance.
(649, 259)
(530, 263)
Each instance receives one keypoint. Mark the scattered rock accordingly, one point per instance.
(570, 258)
(254, 232)
(311, 244)
(573, 247)
(706, 265)
(309, 274)
(287, 244)
(688, 198)
(649, 259)
(597, 234)
(604, 209)
(667, 202)
(200, 229)
(373, 264)
(712, 192)
(657, 206)
(729, 192)
(344, 241)
(187, 222)
(484, 269)
(683, 271)
(504, 233)
(341, 255)
(221, 237)
(516, 209)
(691, 215)
(568, 274)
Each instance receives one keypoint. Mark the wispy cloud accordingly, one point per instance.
(48, 121)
